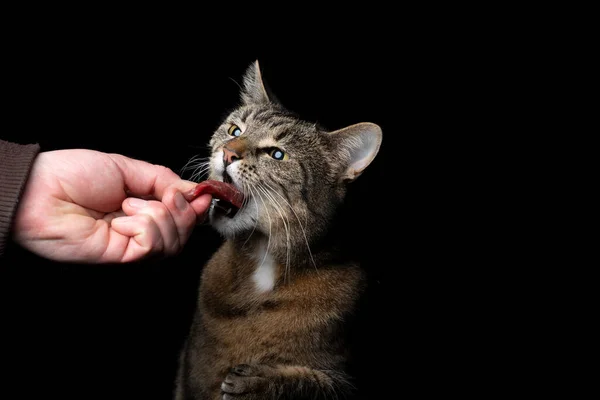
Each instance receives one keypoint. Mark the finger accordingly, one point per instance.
(144, 179)
(133, 238)
(201, 205)
(185, 215)
(161, 216)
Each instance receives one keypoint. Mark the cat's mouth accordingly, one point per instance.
(225, 208)
(227, 199)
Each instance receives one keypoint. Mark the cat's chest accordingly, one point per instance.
(235, 279)
(265, 271)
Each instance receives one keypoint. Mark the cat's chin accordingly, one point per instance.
(230, 224)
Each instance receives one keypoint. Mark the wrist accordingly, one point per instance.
(15, 165)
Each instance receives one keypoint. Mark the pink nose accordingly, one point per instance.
(230, 156)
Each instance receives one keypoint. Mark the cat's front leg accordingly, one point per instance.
(260, 381)
(246, 382)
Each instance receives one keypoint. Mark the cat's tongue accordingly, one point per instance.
(220, 190)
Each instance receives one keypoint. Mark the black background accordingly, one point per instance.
(439, 235)
(114, 331)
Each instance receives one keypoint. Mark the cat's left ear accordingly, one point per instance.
(358, 144)
(254, 91)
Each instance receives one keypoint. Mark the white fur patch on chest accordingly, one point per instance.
(264, 275)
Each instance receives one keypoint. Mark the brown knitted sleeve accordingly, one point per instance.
(15, 164)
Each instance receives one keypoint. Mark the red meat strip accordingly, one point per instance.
(220, 190)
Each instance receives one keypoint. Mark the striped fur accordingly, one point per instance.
(274, 299)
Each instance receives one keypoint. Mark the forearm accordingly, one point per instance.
(15, 165)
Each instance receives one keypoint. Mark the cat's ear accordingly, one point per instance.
(358, 145)
(253, 91)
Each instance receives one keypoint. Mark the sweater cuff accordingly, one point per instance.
(15, 165)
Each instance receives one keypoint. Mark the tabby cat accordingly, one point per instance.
(273, 300)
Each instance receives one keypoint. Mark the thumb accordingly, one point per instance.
(144, 179)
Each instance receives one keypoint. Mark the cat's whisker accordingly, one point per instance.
(196, 169)
(333, 388)
(299, 223)
(269, 236)
(200, 171)
(191, 160)
(197, 177)
(279, 209)
(204, 175)
(196, 166)
(246, 201)
(287, 232)
(192, 163)
(246, 188)
(234, 81)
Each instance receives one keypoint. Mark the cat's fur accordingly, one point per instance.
(273, 300)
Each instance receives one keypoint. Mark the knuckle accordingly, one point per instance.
(160, 212)
(164, 171)
(146, 220)
(175, 247)
(156, 210)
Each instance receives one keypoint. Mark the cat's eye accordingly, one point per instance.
(278, 154)
(234, 130)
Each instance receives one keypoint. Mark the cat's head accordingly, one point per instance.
(293, 173)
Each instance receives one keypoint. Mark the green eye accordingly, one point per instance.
(234, 130)
(278, 154)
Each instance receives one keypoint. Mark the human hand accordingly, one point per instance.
(86, 206)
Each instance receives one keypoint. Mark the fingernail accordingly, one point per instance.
(136, 203)
(180, 202)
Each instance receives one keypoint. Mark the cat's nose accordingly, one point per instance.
(234, 150)
(230, 155)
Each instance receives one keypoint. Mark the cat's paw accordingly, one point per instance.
(244, 382)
